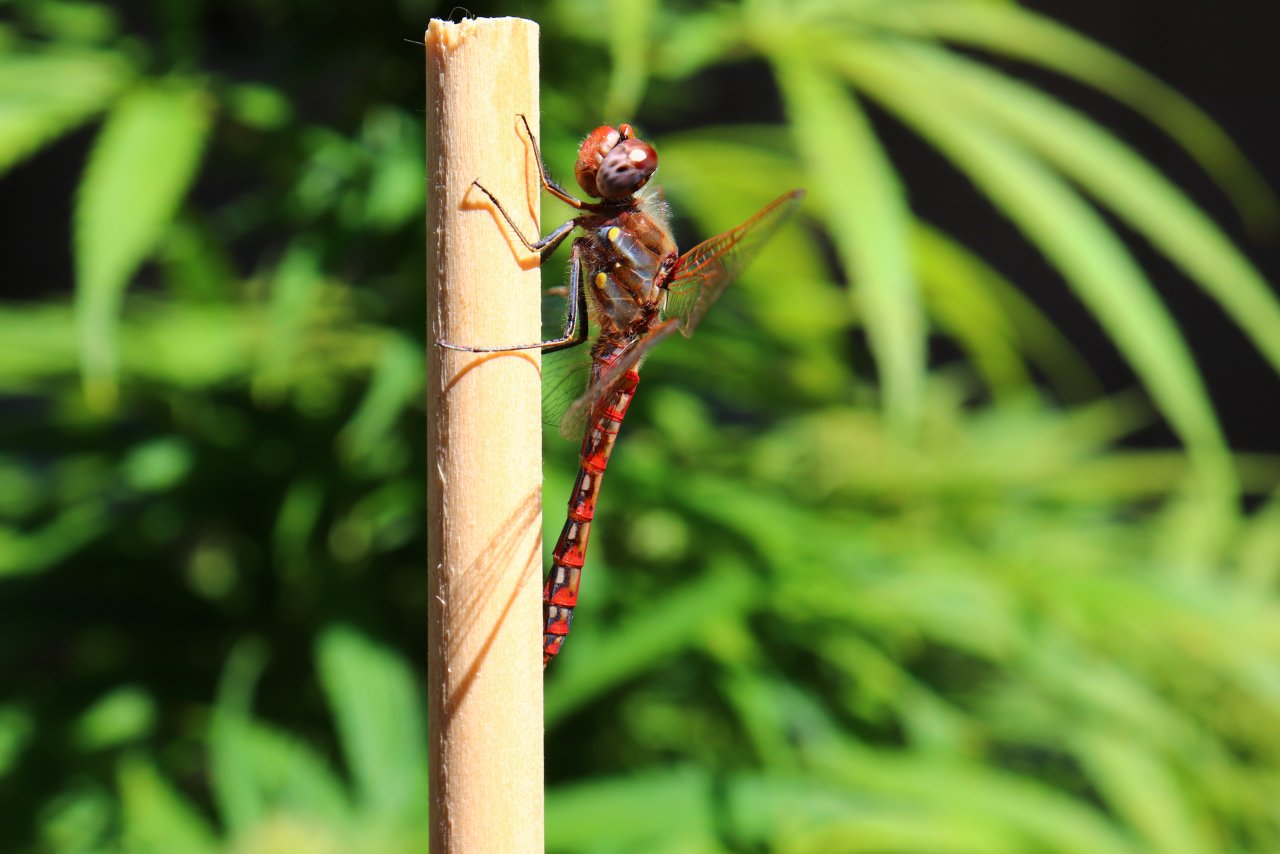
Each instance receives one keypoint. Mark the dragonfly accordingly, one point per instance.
(626, 274)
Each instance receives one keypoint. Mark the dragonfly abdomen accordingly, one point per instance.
(560, 595)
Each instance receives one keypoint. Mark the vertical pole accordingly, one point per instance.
(484, 455)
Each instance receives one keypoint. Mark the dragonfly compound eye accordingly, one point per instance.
(594, 148)
(626, 168)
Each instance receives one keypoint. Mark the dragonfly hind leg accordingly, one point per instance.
(575, 321)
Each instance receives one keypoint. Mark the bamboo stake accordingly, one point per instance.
(483, 442)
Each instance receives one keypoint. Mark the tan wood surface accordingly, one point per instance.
(484, 468)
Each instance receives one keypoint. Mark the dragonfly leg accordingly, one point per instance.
(547, 182)
(575, 322)
(543, 246)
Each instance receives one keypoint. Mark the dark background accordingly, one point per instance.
(1222, 56)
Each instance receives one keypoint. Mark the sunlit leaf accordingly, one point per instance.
(947, 264)
(867, 215)
(1014, 31)
(380, 721)
(44, 95)
(1078, 242)
(630, 22)
(16, 729)
(240, 804)
(121, 715)
(1146, 794)
(294, 290)
(139, 170)
(1119, 179)
(1260, 546)
(397, 380)
(641, 642)
(578, 817)
(258, 770)
(956, 296)
(156, 818)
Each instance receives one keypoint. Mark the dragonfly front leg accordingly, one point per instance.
(547, 182)
(575, 321)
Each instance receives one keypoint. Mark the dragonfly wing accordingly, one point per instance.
(566, 375)
(607, 377)
(702, 273)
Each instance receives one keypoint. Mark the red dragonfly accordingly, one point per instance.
(639, 290)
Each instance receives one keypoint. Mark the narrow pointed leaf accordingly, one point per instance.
(630, 22)
(240, 804)
(156, 818)
(868, 217)
(293, 293)
(1119, 178)
(42, 96)
(1011, 30)
(957, 299)
(380, 719)
(139, 170)
(1137, 786)
(396, 382)
(1078, 242)
(1033, 334)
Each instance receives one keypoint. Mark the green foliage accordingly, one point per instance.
(842, 597)
(138, 172)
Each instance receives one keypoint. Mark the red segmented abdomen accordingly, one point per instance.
(560, 594)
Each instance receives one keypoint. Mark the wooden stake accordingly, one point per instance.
(484, 454)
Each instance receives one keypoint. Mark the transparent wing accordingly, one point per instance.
(565, 377)
(606, 377)
(702, 273)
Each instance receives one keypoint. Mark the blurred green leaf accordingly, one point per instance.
(397, 381)
(395, 193)
(78, 819)
(74, 21)
(240, 805)
(1145, 794)
(630, 23)
(155, 818)
(16, 730)
(1090, 256)
(956, 295)
(946, 267)
(1118, 178)
(1260, 547)
(23, 551)
(138, 173)
(259, 106)
(867, 215)
(380, 721)
(122, 715)
(622, 810)
(157, 465)
(44, 95)
(628, 649)
(257, 770)
(1009, 29)
(294, 289)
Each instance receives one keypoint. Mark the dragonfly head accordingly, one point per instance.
(613, 164)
